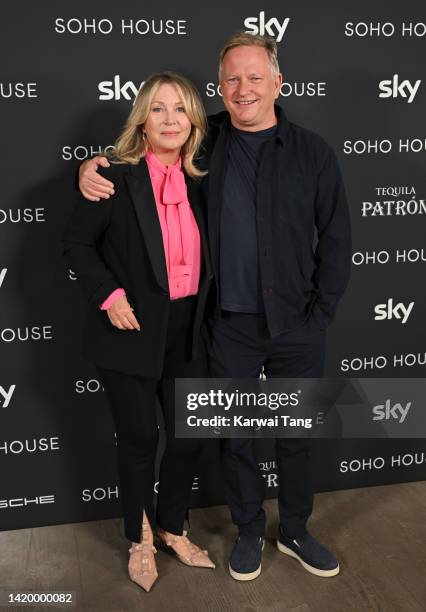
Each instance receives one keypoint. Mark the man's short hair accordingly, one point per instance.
(245, 39)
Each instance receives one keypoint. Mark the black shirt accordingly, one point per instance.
(240, 289)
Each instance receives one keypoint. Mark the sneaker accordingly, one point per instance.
(315, 558)
(245, 562)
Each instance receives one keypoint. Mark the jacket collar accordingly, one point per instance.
(142, 194)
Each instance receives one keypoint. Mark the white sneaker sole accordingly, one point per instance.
(243, 577)
(309, 568)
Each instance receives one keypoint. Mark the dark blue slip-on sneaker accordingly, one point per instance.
(314, 557)
(245, 562)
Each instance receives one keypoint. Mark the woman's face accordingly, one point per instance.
(167, 127)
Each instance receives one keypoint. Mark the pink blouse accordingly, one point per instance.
(181, 238)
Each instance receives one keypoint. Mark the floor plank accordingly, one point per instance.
(378, 534)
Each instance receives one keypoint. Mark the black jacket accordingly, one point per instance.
(118, 243)
(300, 197)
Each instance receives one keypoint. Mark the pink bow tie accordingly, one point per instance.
(174, 191)
(174, 186)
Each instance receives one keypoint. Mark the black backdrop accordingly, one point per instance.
(70, 72)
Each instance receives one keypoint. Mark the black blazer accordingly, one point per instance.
(118, 243)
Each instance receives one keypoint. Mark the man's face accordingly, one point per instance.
(249, 88)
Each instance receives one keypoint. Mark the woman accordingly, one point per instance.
(143, 265)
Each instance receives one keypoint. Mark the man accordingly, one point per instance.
(271, 185)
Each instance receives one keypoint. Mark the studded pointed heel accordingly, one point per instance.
(186, 551)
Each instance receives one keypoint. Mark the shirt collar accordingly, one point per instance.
(282, 124)
(153, 161)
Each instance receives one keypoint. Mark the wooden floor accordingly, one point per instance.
(377, 533)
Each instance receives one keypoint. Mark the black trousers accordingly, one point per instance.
(133, 402)
(240, 347)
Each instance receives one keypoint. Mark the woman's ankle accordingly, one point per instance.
(146, 530)
(163, 532)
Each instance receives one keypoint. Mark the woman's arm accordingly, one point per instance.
(82, 234)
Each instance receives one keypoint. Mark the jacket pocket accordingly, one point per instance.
(296, 201)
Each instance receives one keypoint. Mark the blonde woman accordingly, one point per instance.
(144, 267)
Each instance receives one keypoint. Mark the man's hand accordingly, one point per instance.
(121, 315)
(91, 184)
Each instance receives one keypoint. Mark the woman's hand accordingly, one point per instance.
(91, 184)
(121, 314)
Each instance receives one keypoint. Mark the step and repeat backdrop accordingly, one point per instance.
(70, 72)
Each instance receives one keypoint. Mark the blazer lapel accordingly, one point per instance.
(139, 184)
(194, 197)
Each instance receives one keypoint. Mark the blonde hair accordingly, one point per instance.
(245, 39)
(132, 143)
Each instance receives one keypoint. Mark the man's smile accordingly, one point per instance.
(245, 102)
